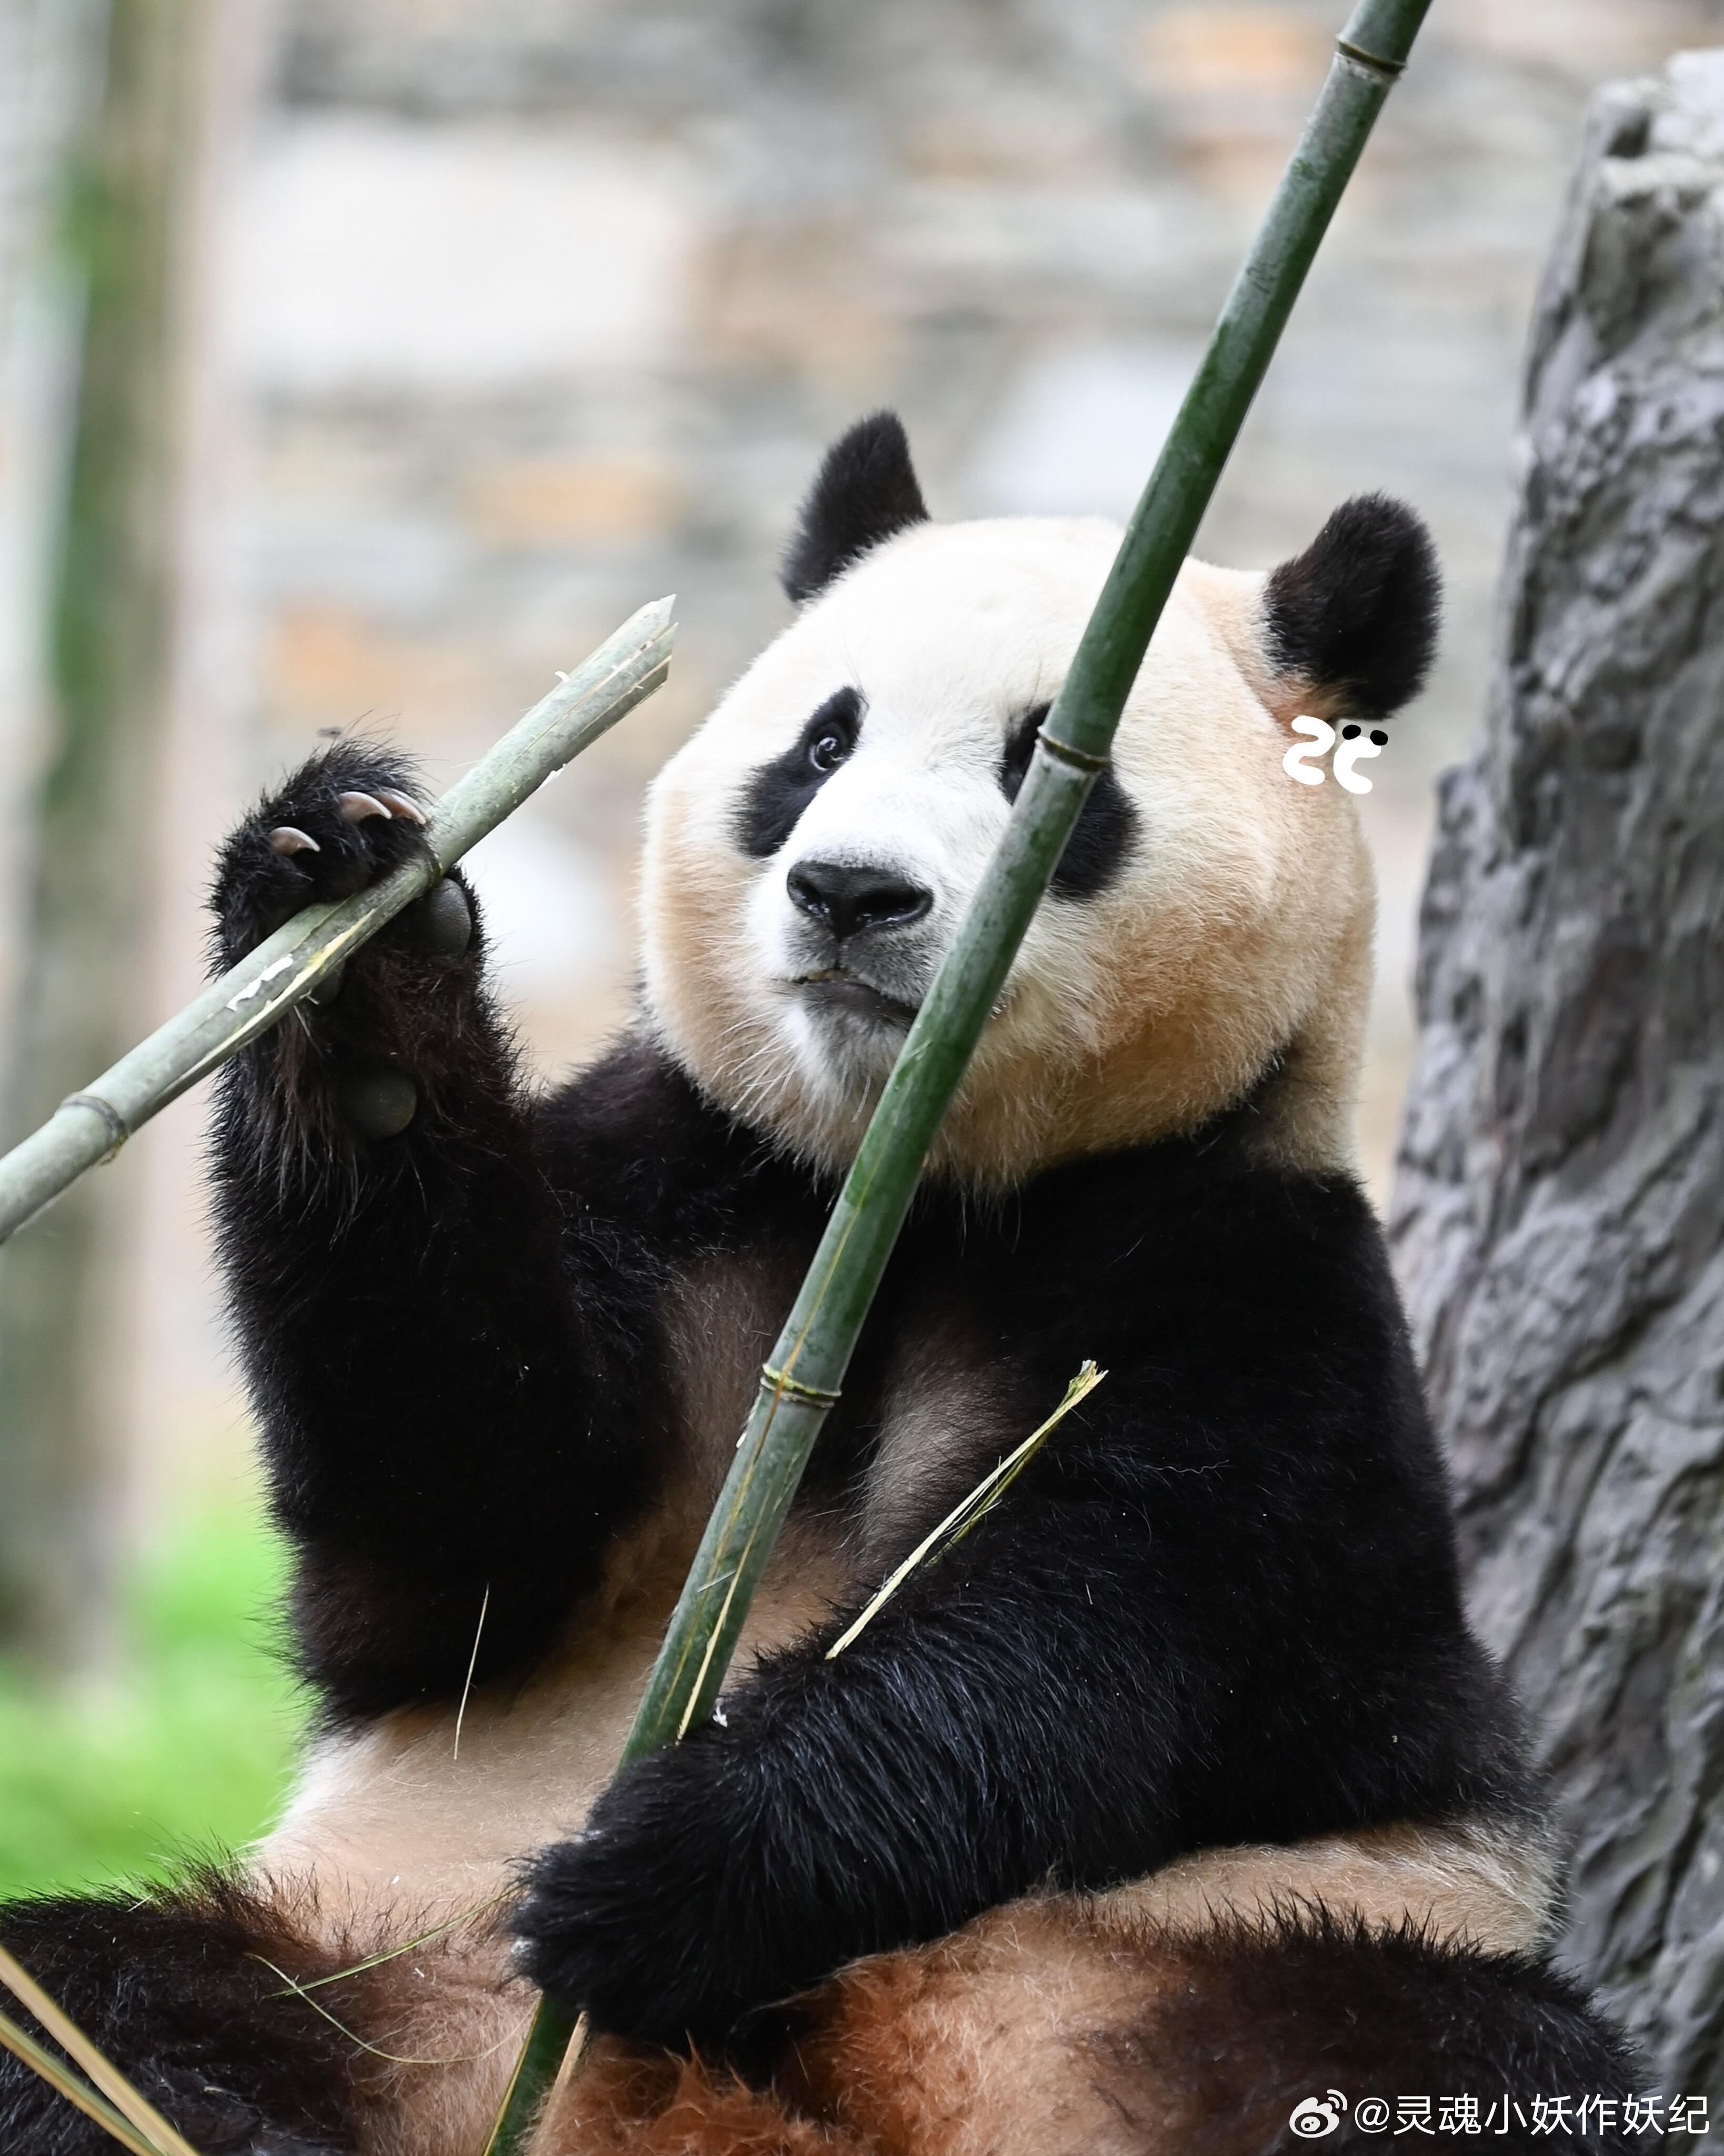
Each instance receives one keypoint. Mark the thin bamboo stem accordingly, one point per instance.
(801, 1384)
(136, 2108)
(963, 1516)
(73, 2088)
(92, 1125)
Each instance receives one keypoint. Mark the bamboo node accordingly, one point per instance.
(118, 1128)
(1080, 759)
(1387, 71)
(775, 1381)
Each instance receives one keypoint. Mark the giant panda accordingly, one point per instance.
(1176, 1808)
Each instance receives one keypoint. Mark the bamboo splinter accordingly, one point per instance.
(807, 1367)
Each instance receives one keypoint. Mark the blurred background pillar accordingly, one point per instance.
(1559, 1210)
(78, 1000)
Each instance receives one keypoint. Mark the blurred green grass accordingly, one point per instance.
(185, 1749)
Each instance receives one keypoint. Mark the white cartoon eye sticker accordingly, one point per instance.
(1353, 750)
(1301, 760)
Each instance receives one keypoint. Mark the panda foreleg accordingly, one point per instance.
(1007, 1718)
(448, 1399)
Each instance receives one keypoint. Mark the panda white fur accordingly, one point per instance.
(1179, 1791)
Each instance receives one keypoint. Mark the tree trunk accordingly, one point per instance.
(78, 1003)
(1558, 1218)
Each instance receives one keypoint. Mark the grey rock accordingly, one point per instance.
(1559, 1217)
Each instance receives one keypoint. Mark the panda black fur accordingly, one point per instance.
(1180, 1788)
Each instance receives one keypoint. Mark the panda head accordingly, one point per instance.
(1207, 938)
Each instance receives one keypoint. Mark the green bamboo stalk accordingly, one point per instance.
(800, 1384)
(251, 997)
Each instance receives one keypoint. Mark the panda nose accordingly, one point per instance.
(851, 900)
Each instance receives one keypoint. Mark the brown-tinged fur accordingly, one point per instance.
(964, 2046)
(433, 2032)
(943, 1428)
(624, 2102)
(1064, 2025)
(392, 1833)
(721, 1321)
(984, 2044)
(1492, 1887)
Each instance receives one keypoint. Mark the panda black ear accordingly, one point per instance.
(1356, 614)
(866, 490)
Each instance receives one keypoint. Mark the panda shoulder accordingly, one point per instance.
(646, 1150)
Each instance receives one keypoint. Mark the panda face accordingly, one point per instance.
(812, 850)
(880, 821)
(873, 826)
(867, 852)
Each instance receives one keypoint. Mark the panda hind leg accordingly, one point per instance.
(1269, 2015)
(627, 2101)
(1049, 2028)
(1053, 2027)
(178, 1991)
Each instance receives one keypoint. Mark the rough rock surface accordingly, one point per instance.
(1559, 1211)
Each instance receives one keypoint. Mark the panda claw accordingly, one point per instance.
(357, 807)
(398, 804)
(284, 838)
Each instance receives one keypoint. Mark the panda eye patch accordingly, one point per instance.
(776, 795)
(1104, 832)
(1020, 746)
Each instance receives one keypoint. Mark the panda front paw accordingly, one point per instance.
(677, 1913)
(344, 818)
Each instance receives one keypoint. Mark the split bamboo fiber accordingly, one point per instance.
(801, 1382)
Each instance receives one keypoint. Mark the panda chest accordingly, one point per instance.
(926, 1411)
(426, 1808)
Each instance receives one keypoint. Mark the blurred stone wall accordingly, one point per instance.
(526, 311)
(547, 305)
(46, 48)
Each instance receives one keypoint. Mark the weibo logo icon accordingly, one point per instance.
(1302, 760)
(1315, 2116)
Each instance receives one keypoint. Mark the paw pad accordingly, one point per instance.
(442, 922)
(378, 1102)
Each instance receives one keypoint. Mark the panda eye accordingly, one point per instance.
(828, 752)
